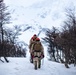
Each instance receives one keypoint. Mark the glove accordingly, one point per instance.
(42, 56)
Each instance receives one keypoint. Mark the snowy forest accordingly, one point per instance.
(61, 44)
(9, 46)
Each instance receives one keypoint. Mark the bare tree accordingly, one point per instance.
(51, 39)
(69, 35)
(4, 19)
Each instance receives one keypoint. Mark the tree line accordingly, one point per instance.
(9, 44)
(61, 44)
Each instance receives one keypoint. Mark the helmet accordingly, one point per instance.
(37, 39)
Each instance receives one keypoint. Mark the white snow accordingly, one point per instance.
(43, 12)
(22, 66)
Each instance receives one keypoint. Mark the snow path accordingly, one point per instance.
(22, 66)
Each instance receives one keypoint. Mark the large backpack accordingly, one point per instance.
(37, 46)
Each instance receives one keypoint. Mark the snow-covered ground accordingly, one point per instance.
(22, 66)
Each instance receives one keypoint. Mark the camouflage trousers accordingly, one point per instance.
(37, 60)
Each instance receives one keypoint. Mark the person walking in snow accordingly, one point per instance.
(37, 51)
(37, 47)
(32, 41)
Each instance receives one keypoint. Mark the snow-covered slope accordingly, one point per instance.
(45, 13)
(38, 14)
(22, 66)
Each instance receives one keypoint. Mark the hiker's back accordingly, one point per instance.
(37, 46)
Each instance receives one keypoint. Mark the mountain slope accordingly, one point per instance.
(38, 14)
